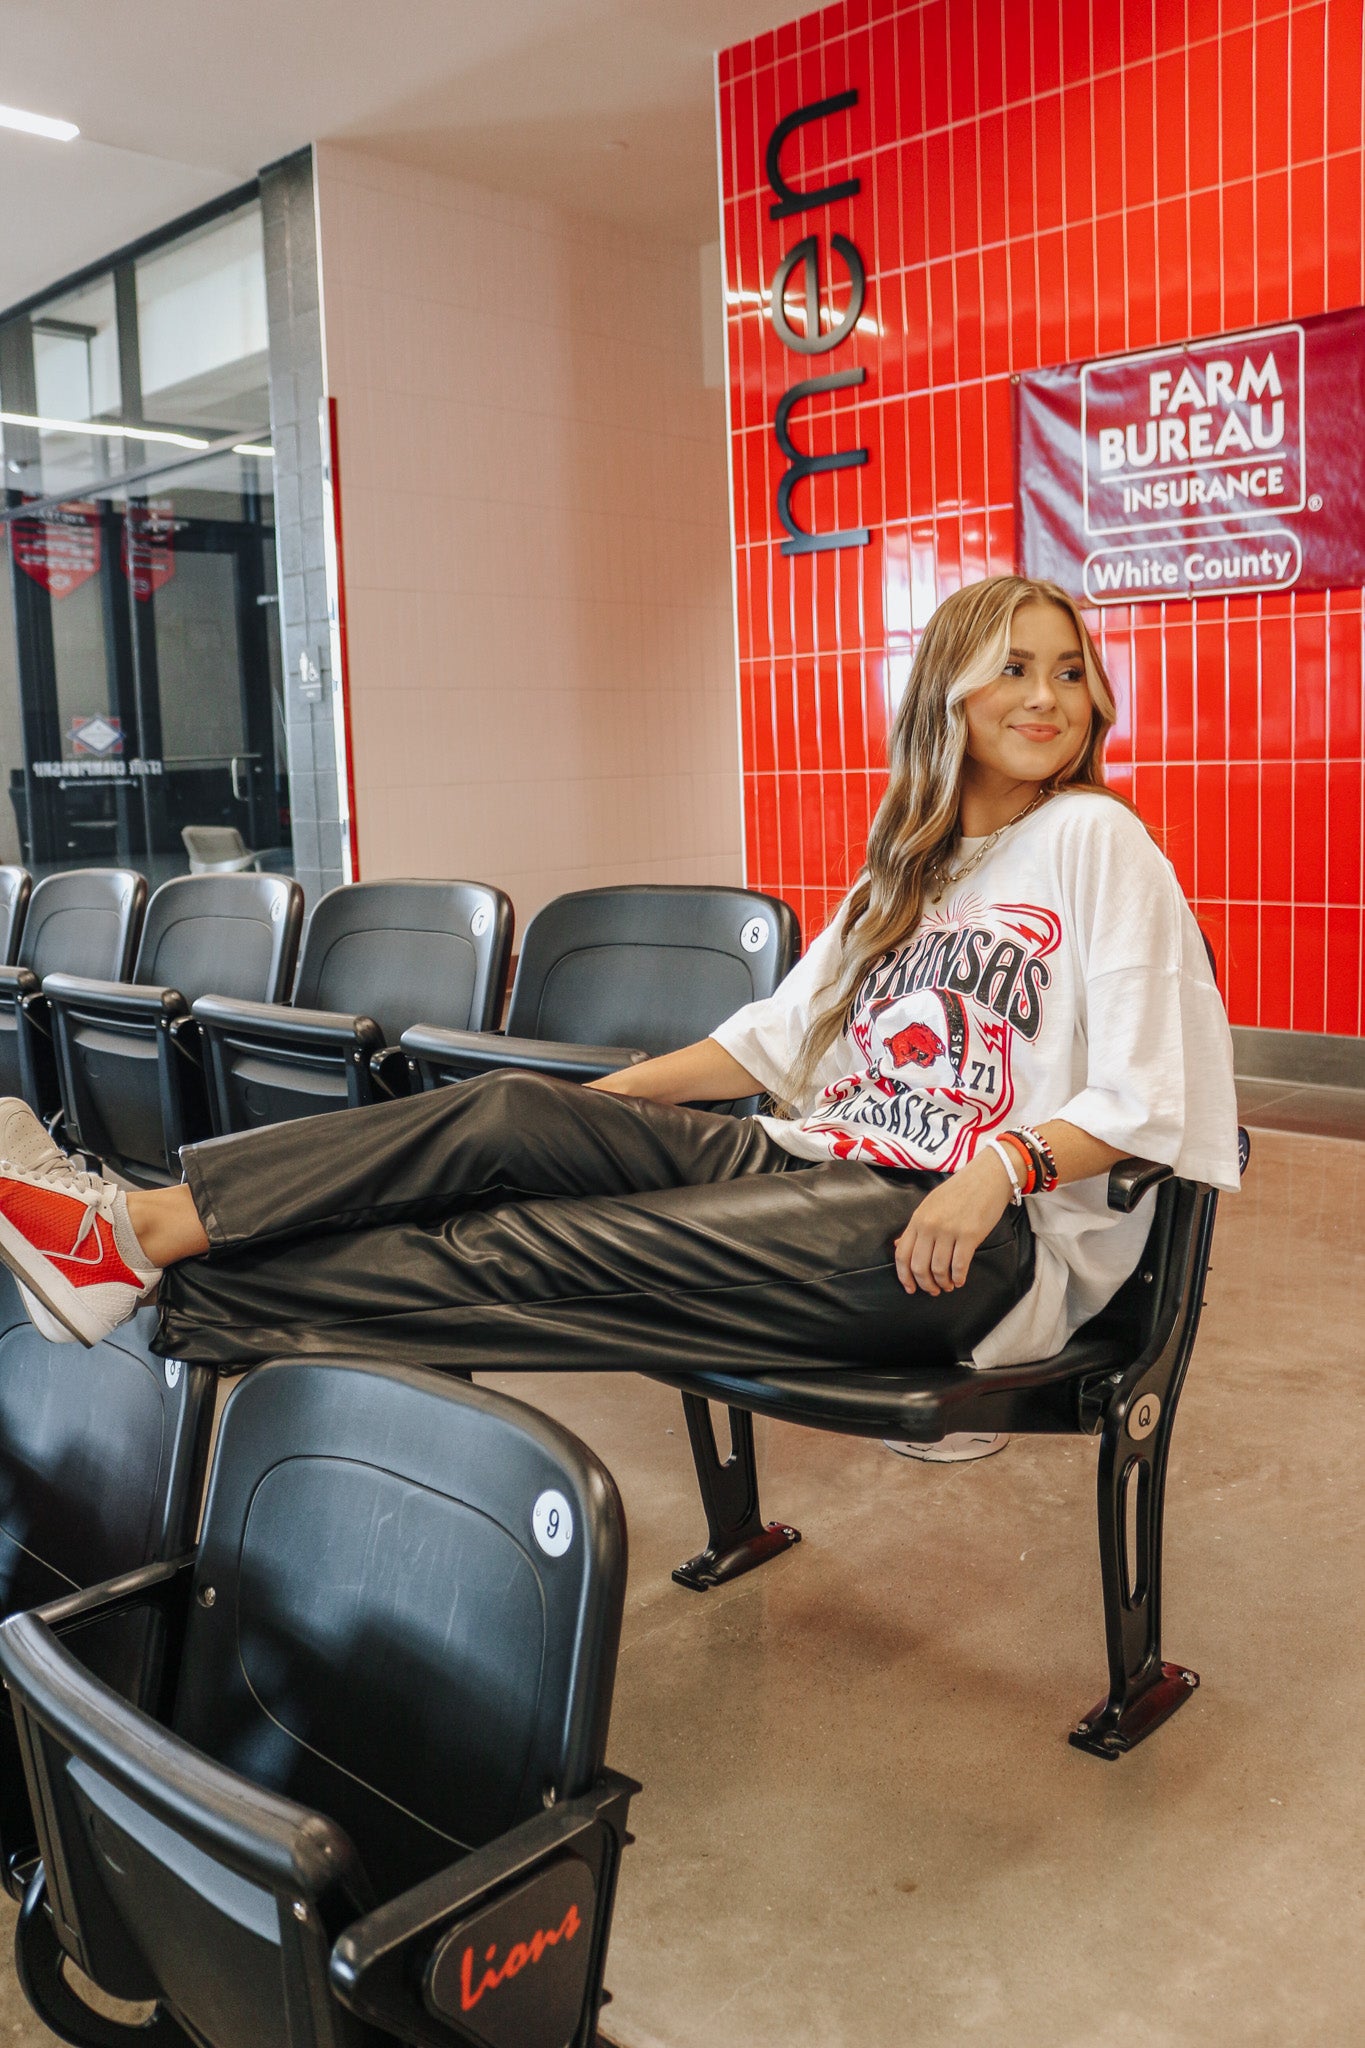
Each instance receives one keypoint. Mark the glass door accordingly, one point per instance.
(150, 686)
(200, 556)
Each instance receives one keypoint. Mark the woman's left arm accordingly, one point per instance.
(934, 1252)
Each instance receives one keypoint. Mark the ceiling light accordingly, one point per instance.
(38, 124)
(112, 433)
(261, 448)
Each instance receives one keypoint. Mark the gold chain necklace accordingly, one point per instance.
(946, 877)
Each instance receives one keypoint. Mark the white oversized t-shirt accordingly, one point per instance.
(1065, 977)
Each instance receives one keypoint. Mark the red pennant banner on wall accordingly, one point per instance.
(149, 546)
(1211, 469)
(61, 550)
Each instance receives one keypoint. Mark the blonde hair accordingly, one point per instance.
(964, 647)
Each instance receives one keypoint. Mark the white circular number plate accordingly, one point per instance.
(1143, 1417)
(172, 1372)
(754, 936)
(552, 1523)
(480, 921)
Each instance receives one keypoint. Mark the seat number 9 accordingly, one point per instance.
(552, 1523)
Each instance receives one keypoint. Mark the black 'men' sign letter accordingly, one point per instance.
(813, 342)
(800, 465)
(789, 201)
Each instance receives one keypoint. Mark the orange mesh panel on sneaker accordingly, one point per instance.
(51, 1223)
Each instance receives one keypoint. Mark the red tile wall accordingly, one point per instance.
(1046, 180)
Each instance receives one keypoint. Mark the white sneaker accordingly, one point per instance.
(66, 1238)
(27, 1144)
(962, 1447)
(43, 1322)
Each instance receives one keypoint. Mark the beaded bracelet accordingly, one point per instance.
(1046, 1158)
(1037, 1171)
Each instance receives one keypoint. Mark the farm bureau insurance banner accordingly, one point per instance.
(1211, 469)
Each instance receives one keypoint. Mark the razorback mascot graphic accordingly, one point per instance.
(936, 1025)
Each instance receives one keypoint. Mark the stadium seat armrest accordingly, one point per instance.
(460, 1055)
(567, 1062)
(117, 999)
(1131, 1179)
(256, 1833)
(159, 1585)
(239, 1036)
(280, 1024)
(18, 982)
(548, 1884)
(162, 1589)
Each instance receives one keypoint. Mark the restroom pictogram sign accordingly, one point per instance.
(1211, 468)
(149, 546)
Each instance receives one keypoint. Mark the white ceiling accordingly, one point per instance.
(179, 100)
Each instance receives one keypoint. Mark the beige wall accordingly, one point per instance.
(536, 535)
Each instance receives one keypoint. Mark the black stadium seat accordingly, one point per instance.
(376, 956)
(102, 1455)
(610, 976)
(373, 1788)
(127, 1051)
(85, 921)
(1118, 1379)
(16, 886)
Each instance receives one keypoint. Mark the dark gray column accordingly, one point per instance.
(296, 387)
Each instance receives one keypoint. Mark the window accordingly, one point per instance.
(141, 686)
(201, 329)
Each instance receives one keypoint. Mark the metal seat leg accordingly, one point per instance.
(1131, 1485)
(737, 1536)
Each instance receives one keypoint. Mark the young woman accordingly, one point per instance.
(1013, 996)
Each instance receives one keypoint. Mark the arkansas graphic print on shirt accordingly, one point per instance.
(1065, 978)
(937, 1025)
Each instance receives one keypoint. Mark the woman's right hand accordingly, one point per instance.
(935, 1250)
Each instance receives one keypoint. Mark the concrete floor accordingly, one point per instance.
(862, 1826)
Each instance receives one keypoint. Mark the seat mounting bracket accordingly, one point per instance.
(1110, 1732)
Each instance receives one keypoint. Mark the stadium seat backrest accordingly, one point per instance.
(417, 1602)
(399, 951)
(84, 922)
(227, 935)
(653, 968)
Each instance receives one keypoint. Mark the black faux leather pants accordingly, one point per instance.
(515, 1222)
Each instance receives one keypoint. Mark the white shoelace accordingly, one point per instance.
(98, 1194)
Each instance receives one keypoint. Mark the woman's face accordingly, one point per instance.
(1034, 720)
